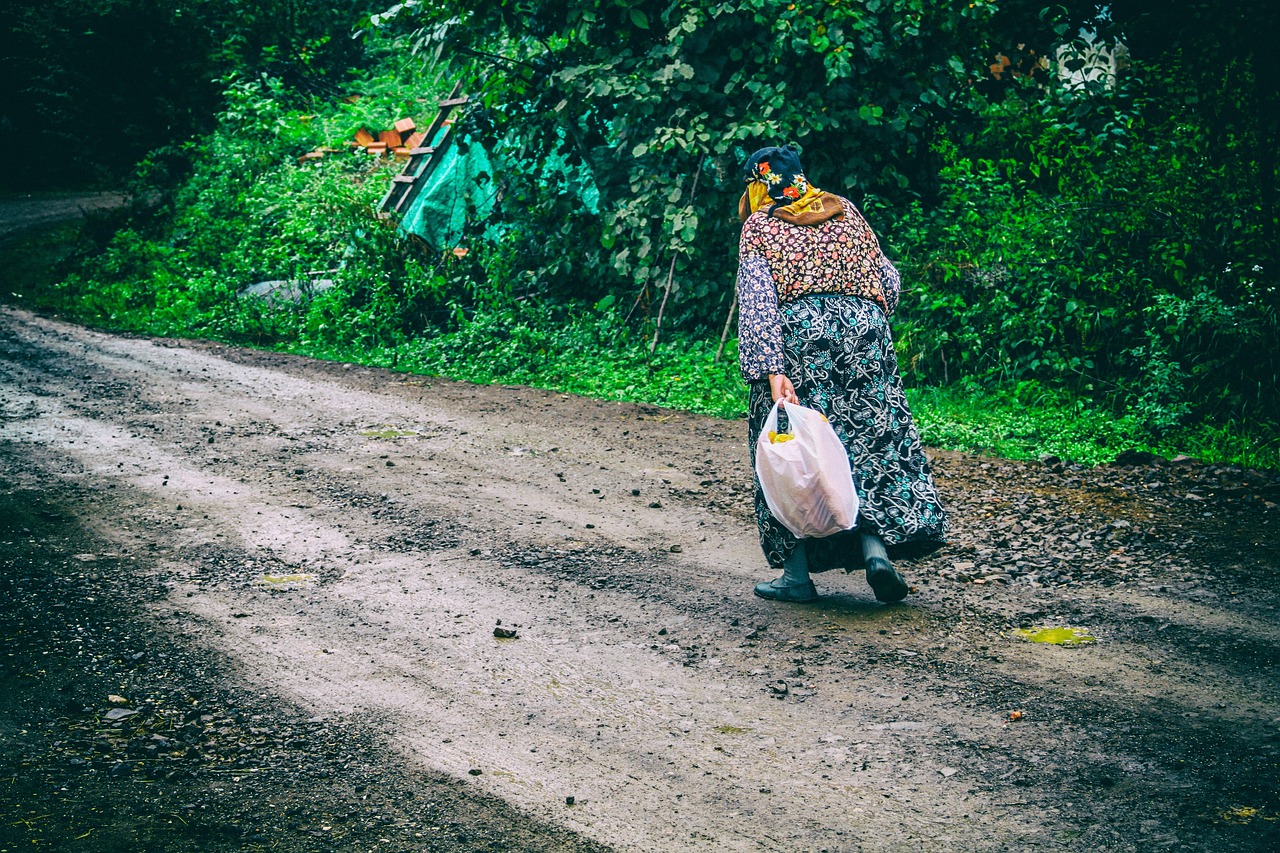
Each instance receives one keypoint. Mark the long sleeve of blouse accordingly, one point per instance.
(890, 284)
(759, 325)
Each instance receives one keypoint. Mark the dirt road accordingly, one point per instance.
(20, 213)
(336, 546)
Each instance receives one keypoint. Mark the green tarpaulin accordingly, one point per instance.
(464, 181)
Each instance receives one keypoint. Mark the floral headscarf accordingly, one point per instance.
(775, 175)
(779, 170)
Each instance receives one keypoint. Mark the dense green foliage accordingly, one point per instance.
(1103, 253)
(1071, 236)
(660, 102)
(90, 88)
(1104, 266)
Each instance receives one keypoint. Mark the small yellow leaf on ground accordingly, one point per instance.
(1240, 814)
(1057, 636)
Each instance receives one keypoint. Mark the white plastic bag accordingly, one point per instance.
(806, 478)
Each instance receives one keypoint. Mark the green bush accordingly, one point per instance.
(1098, 262)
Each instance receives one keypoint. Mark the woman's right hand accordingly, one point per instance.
(783, 390)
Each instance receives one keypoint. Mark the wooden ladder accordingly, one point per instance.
(422, 161)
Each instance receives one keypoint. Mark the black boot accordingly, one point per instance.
(794, 585)
(885, 581)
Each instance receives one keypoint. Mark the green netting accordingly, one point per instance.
(464, 182)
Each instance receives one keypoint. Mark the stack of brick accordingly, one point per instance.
(401, 139)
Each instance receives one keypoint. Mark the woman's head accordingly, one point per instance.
(776, 184)
(780, 172)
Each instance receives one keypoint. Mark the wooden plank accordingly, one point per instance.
(445, 108)
(364, 136)
(420, 170)
(405, 186)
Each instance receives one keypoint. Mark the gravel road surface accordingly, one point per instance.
(254, 601)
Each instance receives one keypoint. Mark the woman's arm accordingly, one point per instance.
(890, 284)
(760, 352)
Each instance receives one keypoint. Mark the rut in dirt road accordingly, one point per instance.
(351, 539)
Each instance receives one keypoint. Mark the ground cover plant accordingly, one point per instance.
(1089, 266)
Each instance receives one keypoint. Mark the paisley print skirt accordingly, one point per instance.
(840, 357)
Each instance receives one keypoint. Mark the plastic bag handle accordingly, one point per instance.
(771, 421)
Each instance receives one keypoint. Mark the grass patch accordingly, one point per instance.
(588, 350)
(1006, 423)
(592, 352)
(596, 356)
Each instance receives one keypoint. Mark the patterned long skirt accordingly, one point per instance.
(840, 357)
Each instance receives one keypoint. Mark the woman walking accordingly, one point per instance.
(814, 296)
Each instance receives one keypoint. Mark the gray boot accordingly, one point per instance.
(885, 581)
(795, 584)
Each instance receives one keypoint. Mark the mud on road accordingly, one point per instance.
(257, 602)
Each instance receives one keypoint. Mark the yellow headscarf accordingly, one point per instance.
(811, 208)
(774, 177)
(757, 196)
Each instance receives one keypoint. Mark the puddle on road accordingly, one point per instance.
(1057, 636)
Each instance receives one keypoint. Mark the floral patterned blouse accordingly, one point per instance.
(780, 262)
